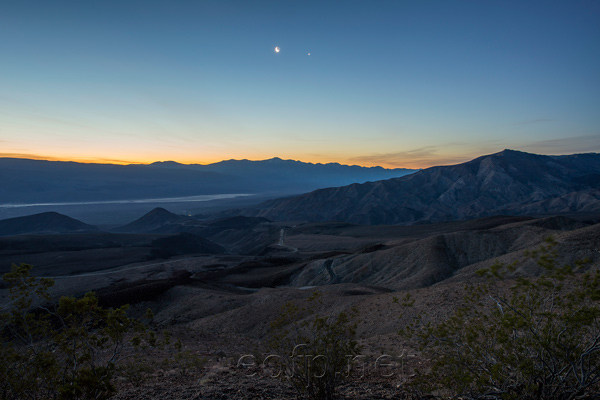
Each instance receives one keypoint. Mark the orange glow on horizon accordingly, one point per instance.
(185, 160)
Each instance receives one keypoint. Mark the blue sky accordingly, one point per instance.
(392, 83)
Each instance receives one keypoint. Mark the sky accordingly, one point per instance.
(393, 83)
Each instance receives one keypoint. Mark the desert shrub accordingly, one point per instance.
(183, 360)
(313, 351)
(136, 370)
(68, 350)
(537, 339)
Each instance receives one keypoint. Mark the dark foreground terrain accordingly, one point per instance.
(217, 285)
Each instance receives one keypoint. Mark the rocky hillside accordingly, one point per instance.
(422, 262)
(509, 182)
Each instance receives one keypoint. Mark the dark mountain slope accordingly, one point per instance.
(509, 182)
(47, 223)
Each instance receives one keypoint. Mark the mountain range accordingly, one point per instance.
(37, 181)
(509, 182)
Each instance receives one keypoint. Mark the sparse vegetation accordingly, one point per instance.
(314, 351)
(538, 339)
(136, 370)
(68, 350)
(185, 361)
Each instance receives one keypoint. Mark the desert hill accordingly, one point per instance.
(509, 182)
(157, 220)
(47, 223)
(239, 234)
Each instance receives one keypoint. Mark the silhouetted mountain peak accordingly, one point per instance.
(508, 155)
(160, 212)
(152, 221)
(167, 164)
(511, 151)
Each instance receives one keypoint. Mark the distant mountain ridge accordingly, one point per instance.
(509, 182)
(285, 172)
(38, 181)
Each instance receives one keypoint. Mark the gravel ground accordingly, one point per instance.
(232, 383)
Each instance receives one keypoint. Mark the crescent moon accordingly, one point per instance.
(276, 49)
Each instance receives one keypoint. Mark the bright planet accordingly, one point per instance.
(276, 49)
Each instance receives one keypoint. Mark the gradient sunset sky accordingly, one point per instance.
(390, 83)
